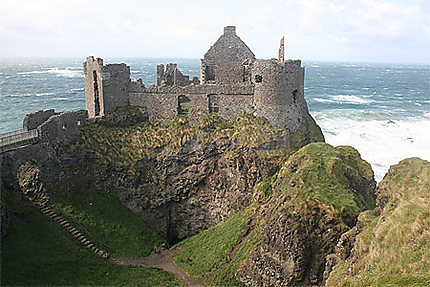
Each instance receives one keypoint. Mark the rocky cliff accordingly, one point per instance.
(389, 246)
(182, 179)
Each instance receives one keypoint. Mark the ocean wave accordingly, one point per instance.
(320, 100)
(380, 142)
(65, 72)
(351, 99)
(77, 89)
(70, 73)
(44, 94)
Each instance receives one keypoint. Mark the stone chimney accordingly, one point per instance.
(230, 30)
(281, 54)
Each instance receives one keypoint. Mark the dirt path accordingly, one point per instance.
(163, 260)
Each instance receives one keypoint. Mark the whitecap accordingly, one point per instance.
(351, 99)
(65, 72)
(44, 94)
(418, 104)
(31, 72)
(77, 89)
(320, 100)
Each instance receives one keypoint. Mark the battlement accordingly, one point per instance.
(232, 81)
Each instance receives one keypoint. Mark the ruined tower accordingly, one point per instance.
(279, 92)
(227, 60)
(106, 86)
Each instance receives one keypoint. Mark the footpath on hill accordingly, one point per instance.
(162, 260)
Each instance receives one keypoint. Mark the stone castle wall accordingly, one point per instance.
(106, 86)
(33, 120)
(63, 127)
(163, 102)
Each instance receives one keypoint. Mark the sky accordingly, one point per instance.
(327, 30)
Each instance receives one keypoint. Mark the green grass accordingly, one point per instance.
(38, 252)
(393, 249)
(322, 173)
(107, 223)
(226, 276)
(204, 252)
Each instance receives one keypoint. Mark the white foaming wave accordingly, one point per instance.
(77, 89)
(44, 94)
(31, 72)
(320, 100)
(351, 99)
(65, 72)
(380, 142)
(70, 73)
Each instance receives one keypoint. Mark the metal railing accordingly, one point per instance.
(15, 139)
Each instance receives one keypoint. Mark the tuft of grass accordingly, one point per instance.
(203, 253)
(38, 252)
(106, 222)
(393, 249)
(263, 190)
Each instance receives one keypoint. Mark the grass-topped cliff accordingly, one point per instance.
(297, 216)
(122, 147)
(392, 247)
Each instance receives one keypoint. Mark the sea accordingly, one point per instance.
(383, 110)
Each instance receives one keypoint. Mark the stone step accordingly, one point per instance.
(90, 245)
(81, 237)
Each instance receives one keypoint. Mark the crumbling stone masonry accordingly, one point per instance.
(232, 81)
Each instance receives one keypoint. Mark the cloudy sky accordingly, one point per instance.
(356, 30)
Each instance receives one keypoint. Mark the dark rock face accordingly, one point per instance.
(4, 219)
(181, 195)
(293, 247)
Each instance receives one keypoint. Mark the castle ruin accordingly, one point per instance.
(232, 81)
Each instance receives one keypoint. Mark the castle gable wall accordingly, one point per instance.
(224, 62)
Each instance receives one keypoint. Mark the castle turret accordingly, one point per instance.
(279, 94)
(106, 86)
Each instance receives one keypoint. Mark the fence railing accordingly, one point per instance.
(18, 138)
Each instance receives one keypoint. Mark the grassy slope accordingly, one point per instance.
(320, 174)
(107, 223)
(39, 252)
(394, 248)
(207, 250)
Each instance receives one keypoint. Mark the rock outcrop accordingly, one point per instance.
(390, 244)
(316, 197)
